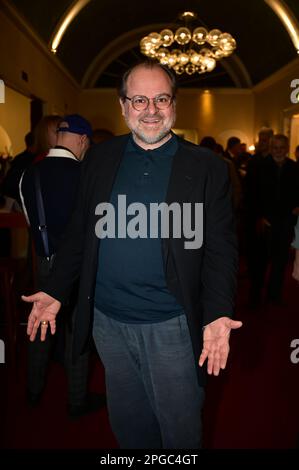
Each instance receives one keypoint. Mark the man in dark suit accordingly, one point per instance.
(271, 203)
(157, 294)
(51, 186)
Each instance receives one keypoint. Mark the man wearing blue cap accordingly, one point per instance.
(48, 191)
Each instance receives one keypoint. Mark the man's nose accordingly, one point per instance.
(151, 107)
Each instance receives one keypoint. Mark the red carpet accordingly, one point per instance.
(253, 404)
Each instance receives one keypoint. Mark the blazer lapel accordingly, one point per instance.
(181, 178)
(105, 176)
(108, 169)
(181, 183)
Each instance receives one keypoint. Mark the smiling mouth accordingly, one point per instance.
(150, 121)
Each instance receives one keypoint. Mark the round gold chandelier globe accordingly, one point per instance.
(188, 51)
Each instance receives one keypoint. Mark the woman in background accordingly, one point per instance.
(45, 135)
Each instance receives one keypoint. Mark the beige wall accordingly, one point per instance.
(221, 113)
(14, 121)
(102, 108)
(21, 50)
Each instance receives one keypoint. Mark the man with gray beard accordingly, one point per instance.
(158, 308)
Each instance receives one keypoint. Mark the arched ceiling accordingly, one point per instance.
(263, 44)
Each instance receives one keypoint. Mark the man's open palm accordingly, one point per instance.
(44, 311)
(216, 343)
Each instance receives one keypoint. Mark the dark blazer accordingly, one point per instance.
(203, 280)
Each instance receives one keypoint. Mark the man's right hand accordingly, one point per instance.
(43, 313)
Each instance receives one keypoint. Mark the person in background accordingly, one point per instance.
(19, 164)
(58, 175)
(5, 162)
(210, 143)
(158, 308)
(100, 135)
(233, 149)
(271, 201)
(295, 245)
(262, 147)
(244, 159)
(219, 149)
(45, 135)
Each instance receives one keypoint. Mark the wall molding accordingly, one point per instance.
(20, 22)
(288, 69)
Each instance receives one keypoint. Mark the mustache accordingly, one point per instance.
(150, 115)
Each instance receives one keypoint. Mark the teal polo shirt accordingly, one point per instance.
(130, 283)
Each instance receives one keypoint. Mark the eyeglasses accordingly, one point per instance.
(141, 103)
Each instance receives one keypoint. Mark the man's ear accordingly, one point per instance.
(83, 140)
(122, 105)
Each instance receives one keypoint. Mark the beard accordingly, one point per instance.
(151, 139)
(150, 136)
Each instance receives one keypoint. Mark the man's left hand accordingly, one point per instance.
(216, 343)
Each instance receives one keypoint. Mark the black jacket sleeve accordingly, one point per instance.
(219, 271)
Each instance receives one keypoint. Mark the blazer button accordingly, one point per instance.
(88, 298)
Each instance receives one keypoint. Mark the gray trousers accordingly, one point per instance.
(153, 396)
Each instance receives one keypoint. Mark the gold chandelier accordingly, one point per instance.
(193, 51)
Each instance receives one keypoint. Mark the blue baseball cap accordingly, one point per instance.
(76, 124)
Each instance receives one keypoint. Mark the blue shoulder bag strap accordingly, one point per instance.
(41, 213)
